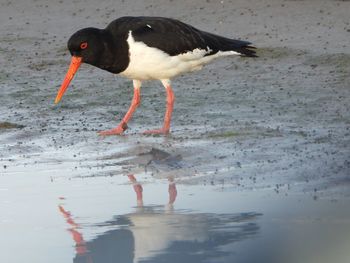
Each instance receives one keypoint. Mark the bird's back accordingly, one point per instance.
(175, 37)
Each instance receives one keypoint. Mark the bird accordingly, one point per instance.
(146, 48)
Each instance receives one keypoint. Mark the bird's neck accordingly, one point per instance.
(115, 56)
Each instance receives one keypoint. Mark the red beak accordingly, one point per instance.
(73, 68)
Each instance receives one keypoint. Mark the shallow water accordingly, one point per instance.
(140, 218)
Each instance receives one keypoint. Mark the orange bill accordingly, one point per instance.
(74, 65)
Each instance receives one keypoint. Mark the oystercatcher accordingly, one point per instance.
(148, 48)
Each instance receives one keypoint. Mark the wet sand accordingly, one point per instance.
(273, 127)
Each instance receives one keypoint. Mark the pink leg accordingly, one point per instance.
(170, 98)
(123, 125)
(137, 188)
(172, 191)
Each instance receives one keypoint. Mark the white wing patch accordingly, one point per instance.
(148, 63)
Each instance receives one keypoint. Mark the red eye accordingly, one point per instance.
(83, 45)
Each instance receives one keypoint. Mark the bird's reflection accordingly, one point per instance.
(80, 245)
(139, 191)
(161, 233)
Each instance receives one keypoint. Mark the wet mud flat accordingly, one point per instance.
(258, 157)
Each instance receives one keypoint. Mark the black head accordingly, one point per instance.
(96, 47)
(89, 44)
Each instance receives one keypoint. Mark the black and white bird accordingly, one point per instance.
(148, 48)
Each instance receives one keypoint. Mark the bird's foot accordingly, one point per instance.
(157, 131)
(116, 131)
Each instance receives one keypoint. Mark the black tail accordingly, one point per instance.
(219, 43)
(244, 48)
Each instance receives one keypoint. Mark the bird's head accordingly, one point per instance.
(86, 46)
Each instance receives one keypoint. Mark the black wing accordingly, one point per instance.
(175, 37)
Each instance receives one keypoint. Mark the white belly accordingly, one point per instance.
(148, 63)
